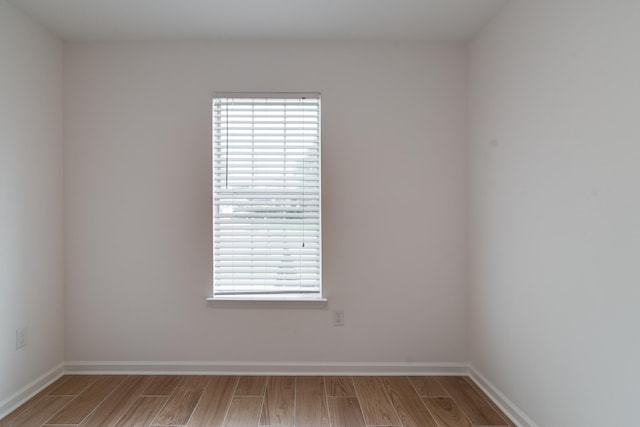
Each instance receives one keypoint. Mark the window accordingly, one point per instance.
(266, 196)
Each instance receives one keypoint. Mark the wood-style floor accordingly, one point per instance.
(168, 400)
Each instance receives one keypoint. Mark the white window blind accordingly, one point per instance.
(266, 196)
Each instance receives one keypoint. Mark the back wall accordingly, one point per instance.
(138, 202)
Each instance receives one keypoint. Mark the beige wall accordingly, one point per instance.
(31, 275)
(138, 203)
(555, 155)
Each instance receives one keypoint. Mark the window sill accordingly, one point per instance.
(266, 302)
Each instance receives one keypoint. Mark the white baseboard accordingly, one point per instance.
(266, 368)
(12, 402)
(506, 405)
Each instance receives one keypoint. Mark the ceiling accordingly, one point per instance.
(295, 20)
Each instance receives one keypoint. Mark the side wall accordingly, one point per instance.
(555, 180)
(138, 202)
(31, 262)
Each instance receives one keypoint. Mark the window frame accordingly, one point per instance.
(271, 298)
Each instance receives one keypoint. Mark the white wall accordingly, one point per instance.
(555, 178)
(31, 265)
(138, 203)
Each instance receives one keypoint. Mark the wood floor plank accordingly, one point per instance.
(244, 412)
(182, 402)
(507, 420)
(51, 387)
(279, 402)
(410, 408)
(340, 386)
(428, 387)
(142, 412)
(345, 412)
(471, 402)
(215, 402)
(26, 406)
(74, 385)
(117, 403)
(162, 385)
(311, 406)
(87, 401)
(446, 412)
(251, 386)
(41, 411)
(375, 402)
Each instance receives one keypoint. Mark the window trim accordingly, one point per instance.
(316, 303)
(314, 300)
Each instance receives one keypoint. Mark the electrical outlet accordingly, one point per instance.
(21, 337)
(338, 317)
